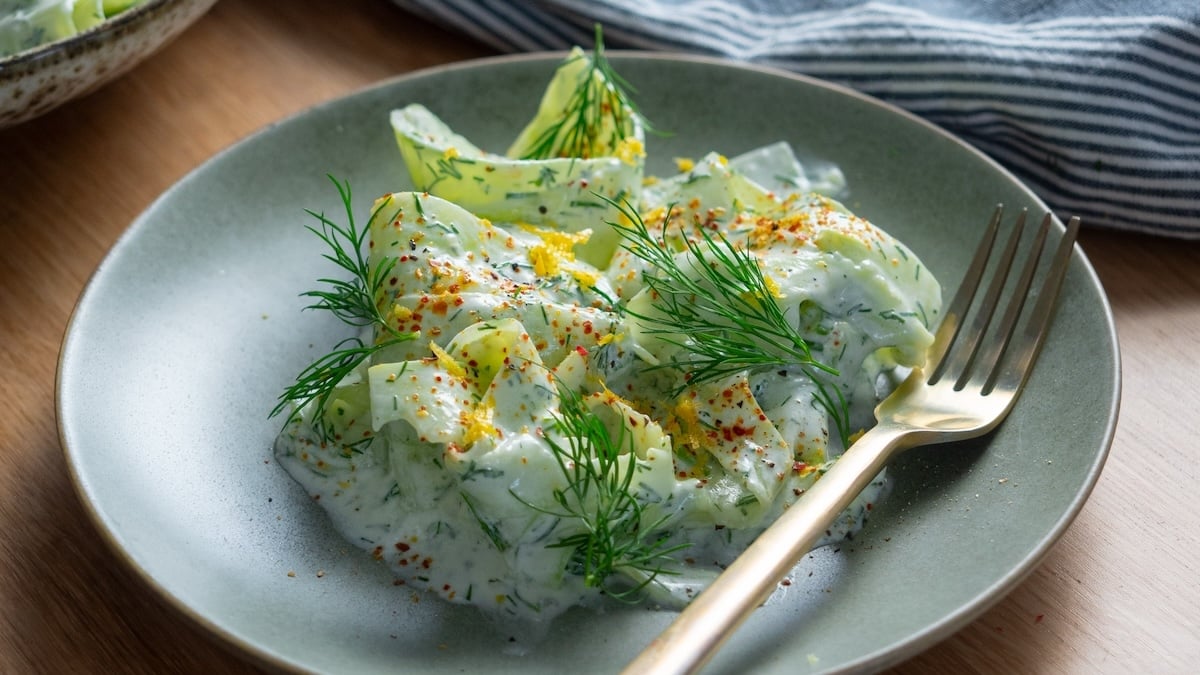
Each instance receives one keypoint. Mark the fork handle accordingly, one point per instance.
(704, 625)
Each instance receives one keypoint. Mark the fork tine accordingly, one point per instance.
(964, 354)
(1002, 336)
(951, 324)
(1013, 373)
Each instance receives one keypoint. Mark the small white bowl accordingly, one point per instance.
(38, 80)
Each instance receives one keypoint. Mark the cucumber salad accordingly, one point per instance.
(565, 380)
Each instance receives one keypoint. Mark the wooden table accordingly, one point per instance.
(1119, 593)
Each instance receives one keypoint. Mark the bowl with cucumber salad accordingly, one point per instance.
(52, 51)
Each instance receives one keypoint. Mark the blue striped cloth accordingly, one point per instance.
(1094, 104)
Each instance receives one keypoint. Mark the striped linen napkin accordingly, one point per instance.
(1095, 105)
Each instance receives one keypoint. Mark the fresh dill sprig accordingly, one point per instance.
(722, 312)
(599, 495)
(601, 96)
(354, 301)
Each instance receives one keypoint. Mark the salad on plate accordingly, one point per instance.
(564, 379)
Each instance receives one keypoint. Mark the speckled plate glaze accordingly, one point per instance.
(192, 326)
(36, 81)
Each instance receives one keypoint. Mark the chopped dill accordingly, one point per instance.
(489, 528)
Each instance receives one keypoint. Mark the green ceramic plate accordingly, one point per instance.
(192, 326)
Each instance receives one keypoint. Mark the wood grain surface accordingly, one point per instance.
(1119, 593)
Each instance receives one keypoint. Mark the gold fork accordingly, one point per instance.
(974, 377)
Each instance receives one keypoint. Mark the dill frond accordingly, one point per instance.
(721, 312)
(598, 115)
(600, 497)
(353, 301)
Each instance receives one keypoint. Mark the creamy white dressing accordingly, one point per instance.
(447, 463)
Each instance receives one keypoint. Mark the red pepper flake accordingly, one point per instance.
(736, 430)
(581, 351)
(1038, 618)
(402, 547)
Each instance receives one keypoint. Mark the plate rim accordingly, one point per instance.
(891, 654)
